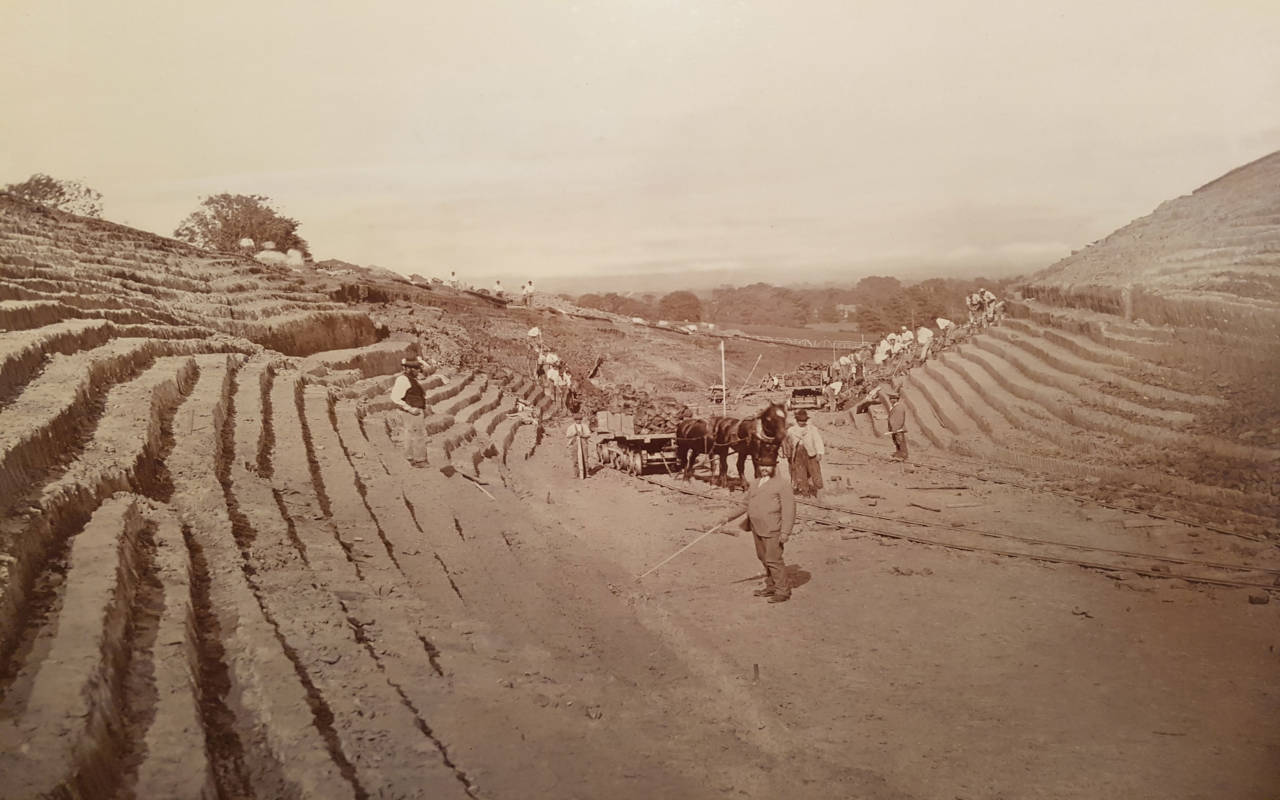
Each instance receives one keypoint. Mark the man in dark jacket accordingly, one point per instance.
(770, 510)
(897, 423)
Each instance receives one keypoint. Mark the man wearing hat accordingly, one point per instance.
(409, 397)
(805, 446)
(897, 421)
(770, 514)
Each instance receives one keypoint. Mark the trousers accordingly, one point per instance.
(415, 438)
(769, 551)
(900, 442)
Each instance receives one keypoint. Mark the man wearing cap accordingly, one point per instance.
(579, 434)
(409, 397)
(770, 510)
(805, 445)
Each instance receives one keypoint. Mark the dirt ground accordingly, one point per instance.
(897, 670)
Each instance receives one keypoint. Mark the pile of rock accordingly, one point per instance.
(652, 414)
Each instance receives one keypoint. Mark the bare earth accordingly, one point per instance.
(911, 671)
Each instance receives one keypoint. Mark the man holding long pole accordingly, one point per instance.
(770, 510)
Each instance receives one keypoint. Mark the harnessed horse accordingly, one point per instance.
(694, 438)
(757, 437)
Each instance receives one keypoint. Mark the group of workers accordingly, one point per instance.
(549, 371)
(526, 289)
(984, 309)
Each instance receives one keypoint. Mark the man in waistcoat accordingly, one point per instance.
(409, 397)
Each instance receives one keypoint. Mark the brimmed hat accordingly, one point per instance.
(802, 416)
(411, 363)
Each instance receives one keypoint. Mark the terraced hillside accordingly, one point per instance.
(198, 533)
(1039, 394)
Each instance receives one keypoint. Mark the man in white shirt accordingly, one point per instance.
(408, 395)
(579, 436)
(806, 448)
(526, 293)
(925, 337)
(882, 352)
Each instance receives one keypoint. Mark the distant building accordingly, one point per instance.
(846, 310)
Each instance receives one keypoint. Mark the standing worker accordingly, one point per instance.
(770, 509)
(578, 434)
(806, 456)
(408, 395)
(526, 293)
(897, 422)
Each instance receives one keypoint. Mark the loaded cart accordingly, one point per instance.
(622, 448)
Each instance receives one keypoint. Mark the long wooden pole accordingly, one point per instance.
(681, 550)
(749, 374)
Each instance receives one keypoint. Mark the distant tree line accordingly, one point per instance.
(882, 303)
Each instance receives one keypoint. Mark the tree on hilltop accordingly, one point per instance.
(64, 195)
(682, 305)
(224, 220)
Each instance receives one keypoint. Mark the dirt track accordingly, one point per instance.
(908, 671)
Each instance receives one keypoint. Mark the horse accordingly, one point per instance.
(758, 437)
(693, 438)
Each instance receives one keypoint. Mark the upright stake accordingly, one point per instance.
(724, 397)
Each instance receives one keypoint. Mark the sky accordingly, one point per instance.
(581, 140)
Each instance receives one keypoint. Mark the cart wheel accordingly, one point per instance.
(637, 462)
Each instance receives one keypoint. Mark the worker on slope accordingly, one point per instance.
(408, 395)
(925, 337)
(945, 328)
(805, 448)
(770, 510)
(526, 293)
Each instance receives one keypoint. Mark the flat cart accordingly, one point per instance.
(622, 448)
(807, 397)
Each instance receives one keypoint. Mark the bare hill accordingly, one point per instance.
(1207, 258)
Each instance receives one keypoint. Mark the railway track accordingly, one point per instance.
(1013, 545)
(1084, 498)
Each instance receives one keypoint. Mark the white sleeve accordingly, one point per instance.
(398, 391)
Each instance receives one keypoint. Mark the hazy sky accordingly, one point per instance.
(532, 138)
